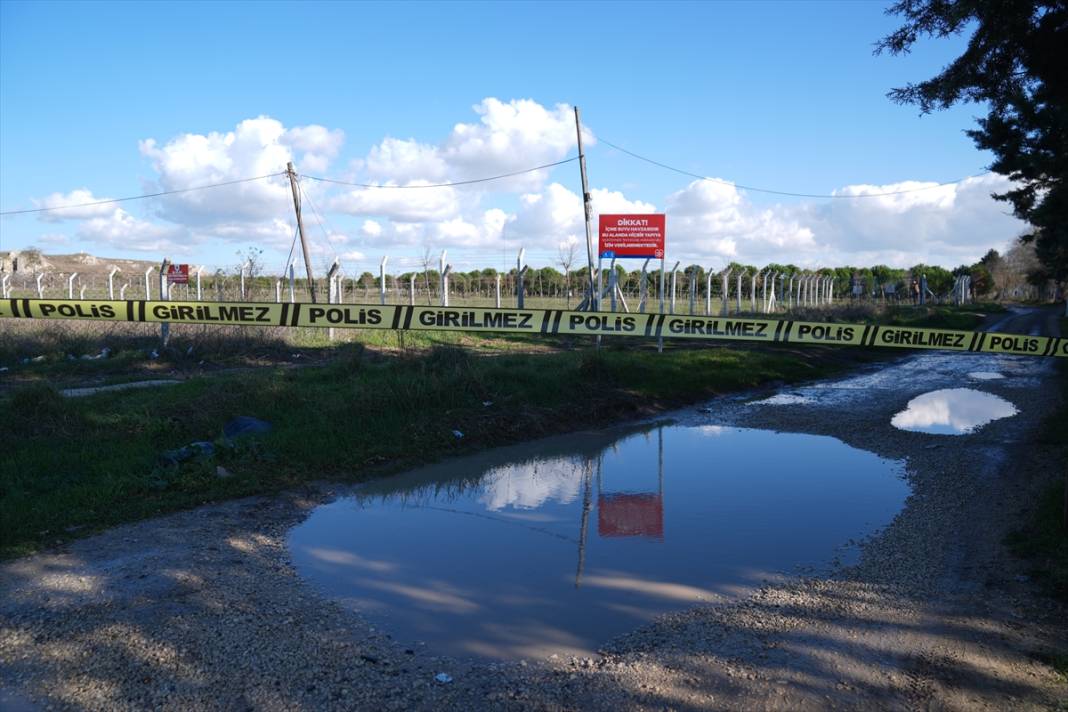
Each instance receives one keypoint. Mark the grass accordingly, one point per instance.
(1043, 539)
(75, 465)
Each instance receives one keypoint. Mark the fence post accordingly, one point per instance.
(498, 291)
(148, 285)
(708, 291)
(40, 287)
(3, 285)
(738, 293)
(726, 291)
(382, 279)
(81, 293)
(674, 285)
(693, 289)
(164, 295)
(111, 282)
(278, 291)
(520, 273)
(411, 291)
(445, 272)
(70, 285)
(643, 287)
(292, 284)
(122, 291)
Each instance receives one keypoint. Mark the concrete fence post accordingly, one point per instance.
(498, 301)
(40, 286)
(111, 282)
(382, 279)
(674, 285)
(520, 273)
(70, 285)
(122, 291)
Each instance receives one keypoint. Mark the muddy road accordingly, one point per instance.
(205, 609)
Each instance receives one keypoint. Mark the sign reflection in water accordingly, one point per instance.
(560, 544)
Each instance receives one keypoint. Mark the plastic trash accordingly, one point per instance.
(246, 425)
(457, 434)
(443, 678)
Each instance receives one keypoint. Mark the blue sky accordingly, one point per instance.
(781, 95)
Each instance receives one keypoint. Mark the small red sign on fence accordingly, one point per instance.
(632, 235)
(177, 274)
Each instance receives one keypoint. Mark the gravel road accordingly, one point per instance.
(202, 609)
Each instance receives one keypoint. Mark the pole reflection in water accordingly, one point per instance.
(479, 556)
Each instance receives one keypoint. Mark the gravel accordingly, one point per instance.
(203, 610)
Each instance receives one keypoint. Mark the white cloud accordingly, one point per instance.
(79, 196)
(509, 136)
(947, 225)
(256, 147)
(122, 230)
(399, 204)
(556, 215)
(370, 228)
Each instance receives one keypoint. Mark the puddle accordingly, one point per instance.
(986, 375)
(952, 411)
(783, 399)
(559, 545)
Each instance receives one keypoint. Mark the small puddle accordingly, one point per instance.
(986, 375)
(952, 411)
(559, 545)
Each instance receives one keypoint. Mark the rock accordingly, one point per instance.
(443, 678)
(246, 425)
(201, 448)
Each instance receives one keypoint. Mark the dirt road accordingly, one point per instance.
(202, 610)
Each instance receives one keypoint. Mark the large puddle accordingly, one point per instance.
(559, 545)
(952, 411)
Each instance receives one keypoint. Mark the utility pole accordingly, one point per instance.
(586, 205)
(300, 228)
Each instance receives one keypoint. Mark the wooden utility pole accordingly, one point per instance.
(300, 228)
(586, 205)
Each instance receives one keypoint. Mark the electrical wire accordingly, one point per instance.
(782, 192)
(140, 197)
(443, 185)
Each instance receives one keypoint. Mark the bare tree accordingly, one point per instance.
(566, 259)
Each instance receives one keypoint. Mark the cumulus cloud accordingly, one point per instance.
(119, 229)
(509, 136)
(946, 225)
(555, 215)
(79, 196)
(400, 205)
(256, 147)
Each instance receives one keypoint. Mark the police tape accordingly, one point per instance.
(532, 321)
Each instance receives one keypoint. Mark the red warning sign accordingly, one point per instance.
(631, 235)
(177, 274)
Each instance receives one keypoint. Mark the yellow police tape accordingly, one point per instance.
(532, 321)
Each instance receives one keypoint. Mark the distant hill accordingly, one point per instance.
(23, 262)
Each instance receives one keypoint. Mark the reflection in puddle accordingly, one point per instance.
(952, 411)
(985, 375)
(783, 399)
(561, 544)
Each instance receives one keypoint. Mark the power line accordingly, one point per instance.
(781, 192)
(139, 197)
(445, 185)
